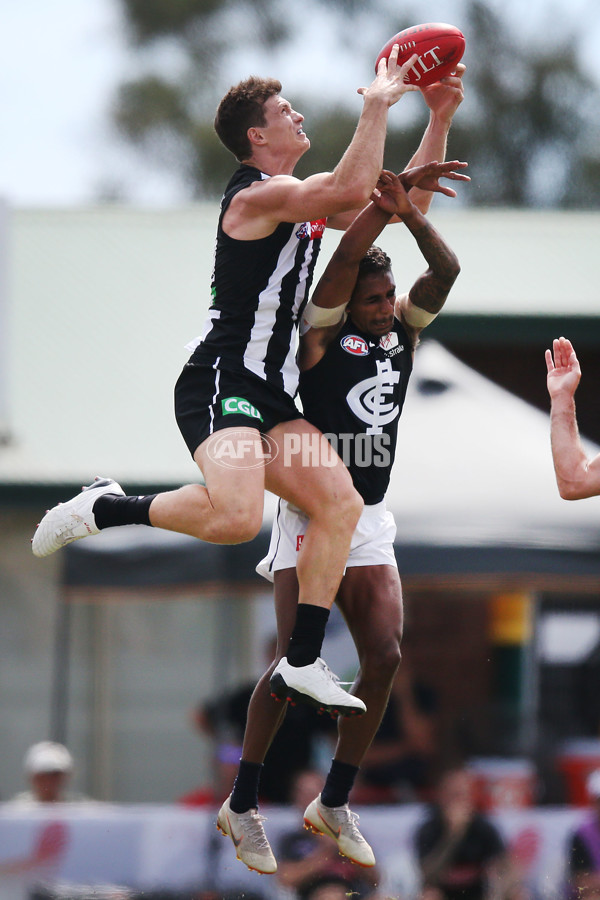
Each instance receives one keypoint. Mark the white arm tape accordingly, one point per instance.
(319, 317)
(414, 315)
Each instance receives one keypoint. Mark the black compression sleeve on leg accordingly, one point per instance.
(245, 787)
(338, 784)
(113, 509)
(307, 637)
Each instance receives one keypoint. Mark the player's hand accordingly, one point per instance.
(389, 83)
(390, 195)
(564, 372)
(427, 177)
(445, 96)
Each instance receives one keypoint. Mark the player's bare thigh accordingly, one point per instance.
(307, 472)
(232, 461)
(370, 599)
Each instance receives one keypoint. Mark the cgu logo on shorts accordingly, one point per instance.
(312, 230)
(299, 539)
(355, 345)
(239, 405)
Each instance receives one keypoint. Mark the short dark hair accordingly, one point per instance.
(374, 262)
(242, 108)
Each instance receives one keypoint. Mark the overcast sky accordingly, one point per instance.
(61, 61)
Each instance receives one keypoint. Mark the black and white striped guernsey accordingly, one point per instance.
(259, 289)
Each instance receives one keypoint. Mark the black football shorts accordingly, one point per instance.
(208, 399)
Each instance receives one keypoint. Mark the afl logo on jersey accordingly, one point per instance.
(355, 345)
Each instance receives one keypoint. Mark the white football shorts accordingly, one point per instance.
(372, 541)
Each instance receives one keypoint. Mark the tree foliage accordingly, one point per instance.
(524, 127)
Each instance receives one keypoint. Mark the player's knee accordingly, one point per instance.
(348, 510)
(380, 665)
(242, 526)
(336, 506)
(247, 528)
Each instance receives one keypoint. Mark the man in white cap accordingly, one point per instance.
(48, 767)
(584, 847)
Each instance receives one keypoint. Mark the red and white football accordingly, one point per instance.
(439, 47)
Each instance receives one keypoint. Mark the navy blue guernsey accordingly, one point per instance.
(259, 289)
(355, 395)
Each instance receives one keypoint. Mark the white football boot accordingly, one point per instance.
(340, 823)
(316, 685)
(249, 838)
(73, 520)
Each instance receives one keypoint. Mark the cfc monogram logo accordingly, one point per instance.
(370, 399)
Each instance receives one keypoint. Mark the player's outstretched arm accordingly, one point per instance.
(283, 198)
(576, 476)
(325, 312)
(339, 278)
(390, 198)
(427, 176)
(443, 99)
(420, 306)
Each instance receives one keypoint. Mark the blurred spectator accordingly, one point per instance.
(400, 763)
(293, 748)
(584, 848)
(48, 768)
(460, 852)
(329, 887)
(225, 762)
(310, 865)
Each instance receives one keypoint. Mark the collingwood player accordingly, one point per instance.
(240, 382)
(236, 393)
(355, 358)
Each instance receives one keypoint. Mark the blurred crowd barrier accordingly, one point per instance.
(105, 850)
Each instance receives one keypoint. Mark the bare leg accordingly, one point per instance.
(327, 496)
(229, 509)
(265, 714)
(370, 599)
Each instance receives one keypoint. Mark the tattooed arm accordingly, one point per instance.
(428, 294)
(340, 279)
(326, 311)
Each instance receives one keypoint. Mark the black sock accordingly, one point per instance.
(114, 509)
(307, 637)
(338, 783)
(244, 795)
